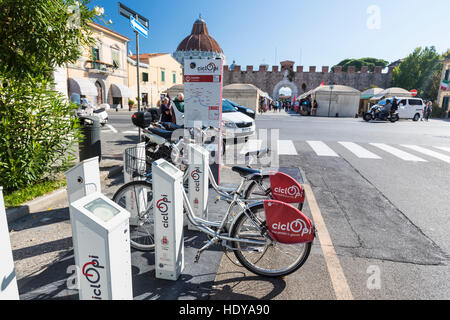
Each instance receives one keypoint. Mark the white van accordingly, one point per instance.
(408, 108)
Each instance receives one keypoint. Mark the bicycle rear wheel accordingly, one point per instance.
(137, 198)
(273, 259)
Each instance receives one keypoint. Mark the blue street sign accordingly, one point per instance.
(137, 26)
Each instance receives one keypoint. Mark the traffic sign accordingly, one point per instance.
(127, 13)
(138, 27)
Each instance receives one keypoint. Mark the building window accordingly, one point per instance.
(174, 77)
(145, 76)
(447, 75)
(163, 76)
(96, 57)
(115, 57)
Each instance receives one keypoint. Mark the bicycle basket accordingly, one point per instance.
(135, 163)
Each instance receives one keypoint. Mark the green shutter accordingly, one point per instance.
(163, 76)
(174, 77)
(447, 74)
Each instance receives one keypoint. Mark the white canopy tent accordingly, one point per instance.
(392, 92)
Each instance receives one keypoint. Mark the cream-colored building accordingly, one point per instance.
(101, 74)
(158, 72)
(443, 98)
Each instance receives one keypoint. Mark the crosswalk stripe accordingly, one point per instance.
(321, 149)
(398, 153)
(359, 151)
(428, 152)
(112, 128)
(131, 132)
(286, 148)
(447, 149)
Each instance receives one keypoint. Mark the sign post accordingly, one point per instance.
(203, 82)
(140, 26)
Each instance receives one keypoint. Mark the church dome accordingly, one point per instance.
(199, 39)
(199, 45)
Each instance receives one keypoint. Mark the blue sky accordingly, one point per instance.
(312, 33)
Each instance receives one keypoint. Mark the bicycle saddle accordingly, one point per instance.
(162, 133)
(245, 172)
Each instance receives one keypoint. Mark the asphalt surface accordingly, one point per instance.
(386, 214)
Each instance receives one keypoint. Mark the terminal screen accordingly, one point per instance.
(102, 209)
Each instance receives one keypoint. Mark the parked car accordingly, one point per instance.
(408, 108)
(247, 111)
(236, 124)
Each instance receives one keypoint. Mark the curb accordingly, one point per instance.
(54, 199)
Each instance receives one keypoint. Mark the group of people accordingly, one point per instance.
(171, 110)
(306, 107)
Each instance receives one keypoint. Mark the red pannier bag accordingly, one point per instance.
(286, 189)
(287, 224)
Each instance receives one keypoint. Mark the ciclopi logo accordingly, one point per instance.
(162, 205)
(92, 274)
(195, 175)
(293, 191)
(296, 226)
(211, 67)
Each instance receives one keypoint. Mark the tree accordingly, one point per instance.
(359, 63)
(37, 128)
(420, 71)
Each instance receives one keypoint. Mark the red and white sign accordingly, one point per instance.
(287, 224)
(414, 92)
(286, 189)
(203, 92)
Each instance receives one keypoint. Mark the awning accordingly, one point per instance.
(306, 94)
(82, 86)
(120, 91)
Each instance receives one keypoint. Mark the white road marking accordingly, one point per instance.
(447, 149)
(428, 152)
(398, 153)
(321, 149)
(286, 148)
(112, 128)
(338, 279)
(131, 132)
(359, 151)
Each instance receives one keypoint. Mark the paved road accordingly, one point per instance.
(382, 191)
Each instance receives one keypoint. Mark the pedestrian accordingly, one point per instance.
(178, 109)
(314, 108)
(428, 110)
(166, 114)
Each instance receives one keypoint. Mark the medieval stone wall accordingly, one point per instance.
(307, 80)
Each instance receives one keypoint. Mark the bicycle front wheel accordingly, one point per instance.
(273, 259)
(137, 198)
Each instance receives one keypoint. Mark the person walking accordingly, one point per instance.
(428, 110)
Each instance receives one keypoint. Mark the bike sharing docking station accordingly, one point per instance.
(8, 281)
(83, 179)
(101, 237)
(168, 215)
(198, 159)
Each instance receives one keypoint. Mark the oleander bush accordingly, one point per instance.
(38, 133)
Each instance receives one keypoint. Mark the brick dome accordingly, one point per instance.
(199, 39)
